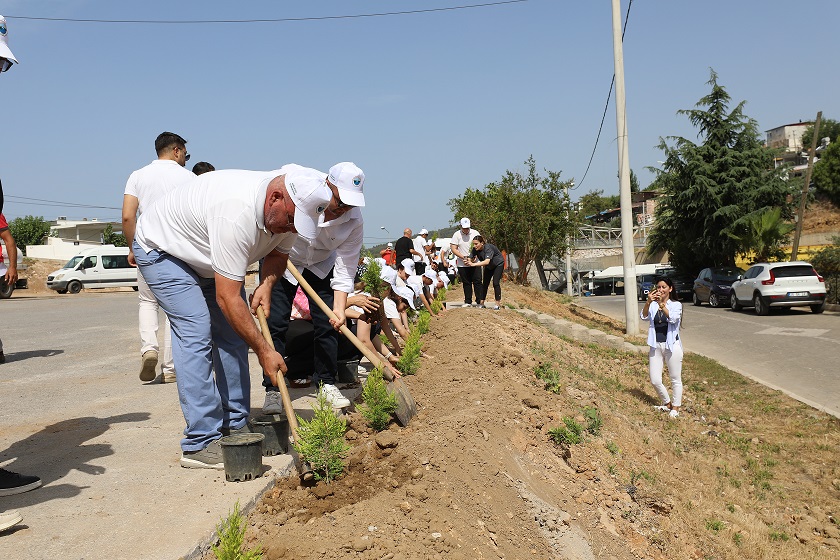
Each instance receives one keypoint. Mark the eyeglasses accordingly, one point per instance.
(339, 204)
(187, 157)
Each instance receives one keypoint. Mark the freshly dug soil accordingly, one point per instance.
(745, 472)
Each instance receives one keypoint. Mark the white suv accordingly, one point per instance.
(782, 284)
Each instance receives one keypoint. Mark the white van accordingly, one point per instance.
(105, 266)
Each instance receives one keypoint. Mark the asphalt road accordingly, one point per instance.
(794, 350)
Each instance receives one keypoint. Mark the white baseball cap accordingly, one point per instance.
(390, 244)
(424, 231)
(430, 274)
(389, 275)
(350, 181)
(465, 222)
(311, 197)
(405, 293)
(5, 51)
(408, 265)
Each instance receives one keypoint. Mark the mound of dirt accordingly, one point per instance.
(477, 473)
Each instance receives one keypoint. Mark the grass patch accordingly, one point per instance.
(715, 525)
(571, 433)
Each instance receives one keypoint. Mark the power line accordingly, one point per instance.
(270, 20)
(45, 202)
(607, 104)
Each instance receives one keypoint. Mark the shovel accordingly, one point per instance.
(304, 469)
(406, 407)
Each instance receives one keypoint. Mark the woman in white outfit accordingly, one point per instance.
(665, 314)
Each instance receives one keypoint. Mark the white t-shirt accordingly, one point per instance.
(416, 284)
(420, 247)
(390, 309)
(464, 243)
(155, 181)
(214, 223)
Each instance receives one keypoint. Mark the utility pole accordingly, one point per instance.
(631, 308)
(801, 214)
(569, 290)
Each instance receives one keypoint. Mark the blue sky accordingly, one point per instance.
(426, 104)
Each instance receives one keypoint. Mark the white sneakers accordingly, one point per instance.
(662, 408)
(9, 519)
(273, 403)
(334, 396)
(674, 414)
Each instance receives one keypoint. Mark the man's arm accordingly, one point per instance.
(229, 298)
(11, 275)
(129, 223)
(273, 268)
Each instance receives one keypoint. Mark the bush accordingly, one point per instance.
(379, 404)
(593, 420)
(570, 434)
(321, 441)
(423, 322)
(28, 230)
(410, 360)
(231, 535)
(827, 264)
(550, 376)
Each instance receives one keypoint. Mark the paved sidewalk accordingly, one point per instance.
(105, 445)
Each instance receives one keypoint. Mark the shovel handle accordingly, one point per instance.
(284, 392)
(375, 360)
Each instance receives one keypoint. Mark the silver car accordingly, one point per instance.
(782, 284)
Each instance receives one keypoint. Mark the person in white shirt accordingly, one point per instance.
(420, 256)
(193, 247)
(328, 261)
(145, 186)
(461, 245)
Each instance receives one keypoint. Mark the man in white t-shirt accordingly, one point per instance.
(420, 257)
(193, 247)
(461, 245)
(145, 186)
(328, 261)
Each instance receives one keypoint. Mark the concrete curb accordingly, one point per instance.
(581, 333)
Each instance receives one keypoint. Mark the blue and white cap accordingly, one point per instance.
(350, 181)
(5, 51)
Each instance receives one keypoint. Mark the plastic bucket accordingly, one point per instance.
(275, 430)
(243, 456)
(348, 371)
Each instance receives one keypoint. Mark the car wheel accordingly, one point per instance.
(135, 288)
(819, 308)
(761, 308)
(6, 289)
(61, 291)
(713, 300)
(695, 300)
(734, 303)
(74, 287)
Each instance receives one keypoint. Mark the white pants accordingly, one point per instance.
(659, 356)
(149, 326)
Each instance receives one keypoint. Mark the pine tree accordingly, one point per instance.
(715, 190)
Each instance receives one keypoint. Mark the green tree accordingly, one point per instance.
(826, 174)
(594, 201)
(528, 215)
(111, 238)
(634, 182)
(764, 235)
(827, 263)
(712, 191)
(828, 128)
(28, 231)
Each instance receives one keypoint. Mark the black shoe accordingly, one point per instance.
(13, 483)
(2, 358)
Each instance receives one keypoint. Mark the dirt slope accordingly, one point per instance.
(744, 473)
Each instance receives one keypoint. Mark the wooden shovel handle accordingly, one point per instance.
(281, 383)
(375, 360)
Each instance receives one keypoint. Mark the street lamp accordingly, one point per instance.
(386, 229)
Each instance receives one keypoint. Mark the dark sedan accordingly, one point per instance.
(714, 285)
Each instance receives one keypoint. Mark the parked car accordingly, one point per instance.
(782, 284)
(683, 285)
(644, 284)
(103, 266)
(713, 285)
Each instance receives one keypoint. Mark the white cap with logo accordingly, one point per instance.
(350, 181)
(311, 197)
(5, 51)
(465, 222)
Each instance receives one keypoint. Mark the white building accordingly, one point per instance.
(67, 237)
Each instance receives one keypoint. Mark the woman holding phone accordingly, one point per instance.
(665, 314)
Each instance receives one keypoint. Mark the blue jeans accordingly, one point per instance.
(202, 340)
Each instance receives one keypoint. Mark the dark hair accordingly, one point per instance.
(167, 140)
(202, 167)
(478, 238)
(669, 283)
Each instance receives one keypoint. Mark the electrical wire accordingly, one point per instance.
(606, 105)
(270, 20)
(45, 202)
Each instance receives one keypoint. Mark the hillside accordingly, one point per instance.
(745, 472)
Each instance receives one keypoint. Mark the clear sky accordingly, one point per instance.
(426, 104)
